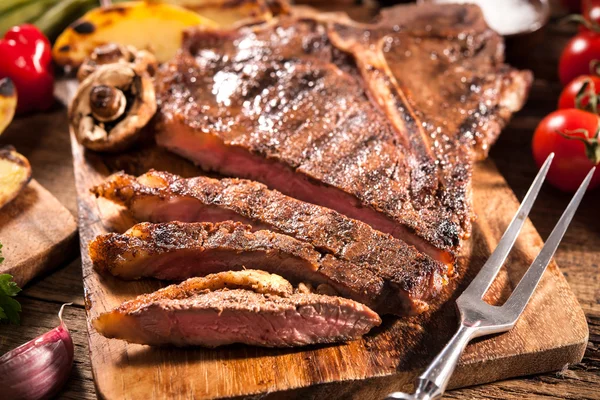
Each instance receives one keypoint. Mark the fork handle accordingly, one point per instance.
(432, 383)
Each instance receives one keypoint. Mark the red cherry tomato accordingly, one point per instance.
(29, 37)
(568, 96)
(571, 163)
(590, 10)
(578, 55)
(25, 57)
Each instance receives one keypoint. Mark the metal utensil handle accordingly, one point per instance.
(432, 383)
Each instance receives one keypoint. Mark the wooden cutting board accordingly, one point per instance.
(551, 333)
(37, 234)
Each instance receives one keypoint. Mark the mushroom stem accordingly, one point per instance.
(107, 103)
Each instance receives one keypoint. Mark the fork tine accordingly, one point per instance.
(490, 269)
(520, 296)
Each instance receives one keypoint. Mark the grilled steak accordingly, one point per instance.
(249, 279)
(179, 250)
(195, 314)
(395, 277)
(381, 122)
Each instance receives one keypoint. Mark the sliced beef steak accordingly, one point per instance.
(249, 279)
(400, 280)
(258, 310)
(381, 122)
(179, 250)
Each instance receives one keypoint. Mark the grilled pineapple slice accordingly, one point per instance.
(15, 173)
(151, 26)
(8, 102)
(226, 12)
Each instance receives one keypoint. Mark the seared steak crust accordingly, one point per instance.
(200, 312)
(255, 280)
(179, 250)
(223, 245)
(393, 271)
(380, 122)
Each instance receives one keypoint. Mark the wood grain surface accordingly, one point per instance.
(43, 139)
(37, 234)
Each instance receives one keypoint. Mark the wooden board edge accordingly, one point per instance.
(48, 261)
(64, 249)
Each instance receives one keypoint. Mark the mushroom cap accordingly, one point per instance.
(120, 133)
(111, 53)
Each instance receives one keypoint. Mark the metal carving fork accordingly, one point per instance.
(478, 318)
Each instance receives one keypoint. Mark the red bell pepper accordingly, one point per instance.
(26, 58)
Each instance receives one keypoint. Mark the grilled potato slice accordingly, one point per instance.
(15, 173)
(150, 26)
(8, 102)
(226, 12)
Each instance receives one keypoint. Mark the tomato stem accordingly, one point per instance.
(592, 145)
(588, 90)
(580, 19)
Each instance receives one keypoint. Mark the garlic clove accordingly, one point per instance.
(39, 368)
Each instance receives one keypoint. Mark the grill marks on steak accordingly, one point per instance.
(344, 115)
(301, 125)
(179, 250)
(400, 279)
(461, 91)
(204, 312)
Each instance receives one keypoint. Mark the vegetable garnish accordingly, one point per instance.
(578, 55)
(25, 57)
(572, 135)
(9, 307)
(582, 93)
(39, 368)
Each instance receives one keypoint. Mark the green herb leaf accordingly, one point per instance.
(7, 286)
(9, 307)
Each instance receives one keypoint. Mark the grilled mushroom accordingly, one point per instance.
(111, 106)
(112, 53)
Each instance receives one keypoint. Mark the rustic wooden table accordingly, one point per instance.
(43, 138)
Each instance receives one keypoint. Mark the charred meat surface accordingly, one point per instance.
(380, 122)
(178, 250)
(391, 276)
(203, 312)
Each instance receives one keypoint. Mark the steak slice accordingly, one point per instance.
(179, 250)
(400, 279)
(249, 279)
(255, 311)
(322, 110)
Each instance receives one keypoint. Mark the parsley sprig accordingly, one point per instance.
(9, 307)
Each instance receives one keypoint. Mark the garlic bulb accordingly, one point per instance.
(39, 368)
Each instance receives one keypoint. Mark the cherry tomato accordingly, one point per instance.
(25, 57)
(568, 96)
(578, 55)
(590, 10)
(571, 163)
